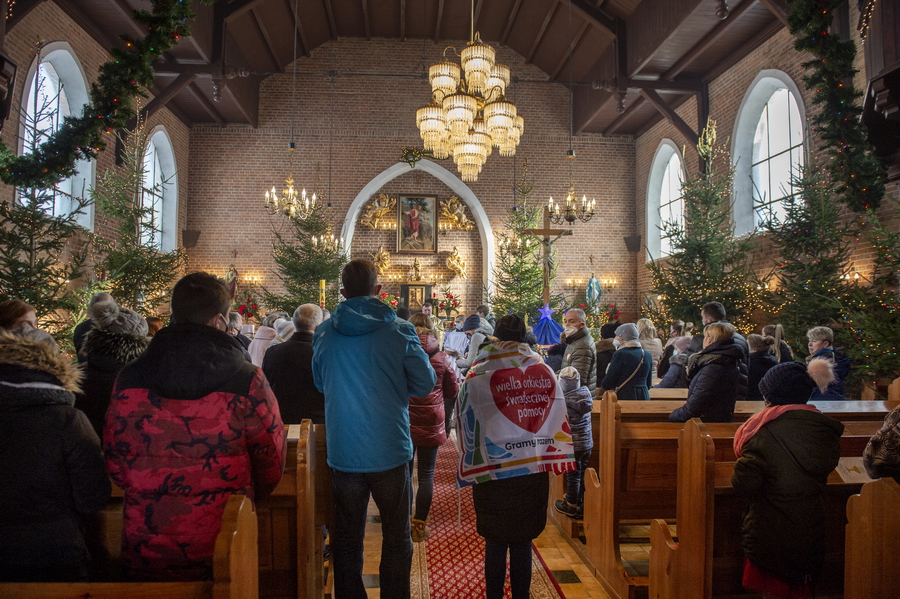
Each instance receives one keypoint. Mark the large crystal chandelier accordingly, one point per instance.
(468, 113)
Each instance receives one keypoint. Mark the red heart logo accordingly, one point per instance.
(524, 397)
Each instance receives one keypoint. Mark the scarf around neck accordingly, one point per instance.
(756, 422)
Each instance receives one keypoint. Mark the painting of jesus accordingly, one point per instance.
(417, 224)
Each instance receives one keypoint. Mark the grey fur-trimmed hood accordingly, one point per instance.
(29, 355)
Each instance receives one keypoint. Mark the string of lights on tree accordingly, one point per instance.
(111, 106)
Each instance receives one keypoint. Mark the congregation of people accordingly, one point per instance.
(185, 415)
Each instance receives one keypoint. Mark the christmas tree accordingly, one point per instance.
(43, 249)
(518, 272)
(306, 253)
(813, 249)
(872, 312)
(138, 272)
(707, 263)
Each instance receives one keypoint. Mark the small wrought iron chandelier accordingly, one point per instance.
(291, 203)
(468, 113)
(571, 211)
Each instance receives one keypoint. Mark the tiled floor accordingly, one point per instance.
(573, 577)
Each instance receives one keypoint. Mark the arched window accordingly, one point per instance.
(55, 88)
(768, 149)
(160, 196)
(664, 201)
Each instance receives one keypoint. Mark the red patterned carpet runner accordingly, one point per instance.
(450, 564)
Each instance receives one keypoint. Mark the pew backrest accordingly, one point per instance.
(234, 570)
(873, 542)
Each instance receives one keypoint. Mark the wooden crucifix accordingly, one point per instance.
(549, 237)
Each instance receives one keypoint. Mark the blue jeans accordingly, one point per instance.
(391, 491)
(425, 491)
(575, 478)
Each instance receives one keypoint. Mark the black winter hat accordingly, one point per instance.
(510, 328)
(787, 383)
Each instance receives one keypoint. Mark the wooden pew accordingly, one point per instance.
(234, 569)
(635, 479)
(873, 542)
(291, 539)
(707, 560)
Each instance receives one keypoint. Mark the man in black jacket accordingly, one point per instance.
(715, 312)
(288, 367)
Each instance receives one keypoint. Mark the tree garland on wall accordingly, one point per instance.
(112, 100)
(858, 175)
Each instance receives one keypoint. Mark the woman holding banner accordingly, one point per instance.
(512, 432)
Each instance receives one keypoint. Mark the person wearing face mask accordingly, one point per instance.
(629, 374)
(580, 352)
(215, 431)
(676, 373)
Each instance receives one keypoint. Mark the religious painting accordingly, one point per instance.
(417, 224)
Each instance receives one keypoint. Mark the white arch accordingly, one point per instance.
(749, 113)
(75, 85)
(664, 152)
(447, 178)
(159, 137)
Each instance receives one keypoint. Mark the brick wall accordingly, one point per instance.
(374, 118)
(726, 93)
(48, 23)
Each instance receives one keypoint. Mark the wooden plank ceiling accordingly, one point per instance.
(633, 60)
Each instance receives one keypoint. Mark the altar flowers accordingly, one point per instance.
(511, 417)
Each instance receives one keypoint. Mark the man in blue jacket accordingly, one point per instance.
(368, 362)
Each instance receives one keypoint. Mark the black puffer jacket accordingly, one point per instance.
(718, 376)
(784, 469)
(676, 373)
(512, 510)
(760, 363)
(105, 353)
(52, 469)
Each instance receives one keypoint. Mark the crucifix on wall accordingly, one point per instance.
(548, 238)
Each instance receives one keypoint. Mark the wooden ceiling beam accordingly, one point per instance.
(613, 126)
(708, 40)
(777, 8)
(540, 36)
(746, 48)
(236, 8)
(169, 92)
(164, 68)
(206, 104)
(20, 10)
(332, 25)
(402, 20)
(667, 111)
(268, 40)
(301, 36)
(509, 23)
(365, 10)
(565, 58)
(594, 15)
(692, 86)
(437, 23)
(101, 36)
(125, 11)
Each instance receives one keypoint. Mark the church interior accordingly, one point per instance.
(327, 96)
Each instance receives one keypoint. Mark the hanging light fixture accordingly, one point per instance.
(468, 114)
(291, 203)
(571, 210)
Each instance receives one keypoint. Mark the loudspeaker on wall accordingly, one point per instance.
(633, 243)
(189, 238)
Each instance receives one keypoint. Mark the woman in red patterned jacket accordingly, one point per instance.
(427, 422)
(191, 422)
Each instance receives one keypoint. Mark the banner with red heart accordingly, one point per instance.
(524, 396)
